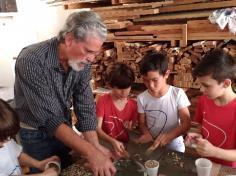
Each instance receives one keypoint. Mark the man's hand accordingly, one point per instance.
(144, 138)
(205, 148)
(105, 151)
(100, 164)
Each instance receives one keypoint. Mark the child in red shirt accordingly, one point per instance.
(216, 110)
(116, 113)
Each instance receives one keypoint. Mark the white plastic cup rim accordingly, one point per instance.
(56, 163)
(203, 166)
(154, 161)
(203, 162)
(152, 171)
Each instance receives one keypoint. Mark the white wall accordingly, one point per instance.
(35, 21)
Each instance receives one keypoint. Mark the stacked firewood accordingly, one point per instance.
(181, 60)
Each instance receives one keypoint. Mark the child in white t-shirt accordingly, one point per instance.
(163, 109)
(12, 157)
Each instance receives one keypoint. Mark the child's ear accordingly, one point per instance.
(227, 83)
(167, 74)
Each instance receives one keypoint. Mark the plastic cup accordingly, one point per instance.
(203, 166)
(54, 164)
(152, 167)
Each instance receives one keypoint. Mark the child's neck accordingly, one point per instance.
(161, 92)
(119, 102)
(1, 144)
(226, 98)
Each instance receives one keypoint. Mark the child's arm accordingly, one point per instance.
(118, 146)
(146, 136)
(206, 149)
(184, 126)
(26, 160)
(47, 172)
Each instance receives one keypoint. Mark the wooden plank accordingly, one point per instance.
(171, 36)
(173, 43)
(184, 41)
(134, 5)
(187, 1)
(198, 6)
(161, 27)
(119, 25)
(114, 1)
(81, 5)
(135, 28)
(134, 33)
(121, 13)
(141, 39)
(130, 1)
(194, 25)
(144, 37)
(210, 36)
(121, 18)
(175, 16)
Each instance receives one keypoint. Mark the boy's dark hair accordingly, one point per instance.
(217, 63)
(9, 121)
(154, 61)
(120, 76)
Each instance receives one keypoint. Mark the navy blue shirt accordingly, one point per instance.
(44, 92)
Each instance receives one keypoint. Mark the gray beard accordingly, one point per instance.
(76, 65)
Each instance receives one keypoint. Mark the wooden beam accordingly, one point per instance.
(175, 16)
(161, 27)
(184, 41)
(124, 12)
(198, 6)
(187, 1)
(134, 33)
(135, 5)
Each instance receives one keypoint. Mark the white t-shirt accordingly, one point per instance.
(9, 164)
(162, 113)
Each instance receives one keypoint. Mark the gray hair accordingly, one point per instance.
(83, 23)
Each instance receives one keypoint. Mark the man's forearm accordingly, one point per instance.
(91, 137)
(71, 139)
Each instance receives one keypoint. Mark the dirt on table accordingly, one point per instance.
(171, 163)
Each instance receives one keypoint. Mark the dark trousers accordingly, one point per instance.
(40, 146)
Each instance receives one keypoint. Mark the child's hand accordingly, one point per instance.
(162, 140)
(50, 172)
(128, 125)
(118, 147)
(190, 139)
(42, 164)
(144, 138)
(205, 148)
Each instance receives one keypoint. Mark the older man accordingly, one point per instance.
(53, 75)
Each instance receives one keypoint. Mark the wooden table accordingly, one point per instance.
(171, 163)
(169, 166)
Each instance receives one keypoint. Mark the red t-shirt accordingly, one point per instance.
(218, 125)
(113, 119)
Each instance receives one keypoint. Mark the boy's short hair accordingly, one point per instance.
(9, 121)
(120, 75)
(217, 63)
(154, 61)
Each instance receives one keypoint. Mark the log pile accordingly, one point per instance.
(179, 27)
(181, 60)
